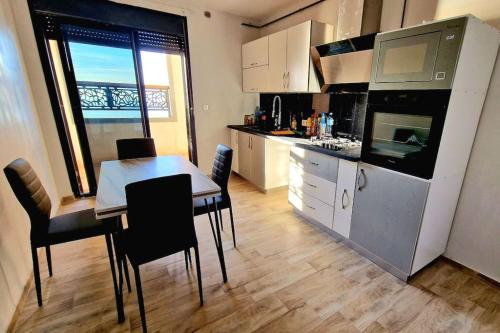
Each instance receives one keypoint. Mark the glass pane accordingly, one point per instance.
(400, 135)
(405, 59)
(163, 75)
(109, 96)
(67, 113)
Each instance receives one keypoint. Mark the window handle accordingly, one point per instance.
(314, 186)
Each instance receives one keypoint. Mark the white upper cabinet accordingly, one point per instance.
(288, 64)
(277, 61)
(255, 79)
(350, 19)
(255, 53)
(298, 57)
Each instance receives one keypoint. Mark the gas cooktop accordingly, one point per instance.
(336, 144)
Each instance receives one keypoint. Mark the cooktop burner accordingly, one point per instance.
(336, 143)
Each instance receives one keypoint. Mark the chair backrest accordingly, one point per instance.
(135, 148)
(221, 169)
(30, 192)
(160, 212)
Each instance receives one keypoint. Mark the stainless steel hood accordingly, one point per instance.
(345, 61)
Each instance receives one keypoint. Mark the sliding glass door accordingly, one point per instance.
(116, 83)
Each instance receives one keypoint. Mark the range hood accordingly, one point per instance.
(344, 62)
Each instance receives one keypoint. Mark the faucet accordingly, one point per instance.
(277, 120)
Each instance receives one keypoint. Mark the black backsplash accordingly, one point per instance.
(348, 109)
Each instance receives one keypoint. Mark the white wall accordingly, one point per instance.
(325, 12)
(20, 137)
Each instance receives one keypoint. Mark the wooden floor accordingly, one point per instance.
(284, 276)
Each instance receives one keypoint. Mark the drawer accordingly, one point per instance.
(311, 207)
(320, 165)
(315, 186)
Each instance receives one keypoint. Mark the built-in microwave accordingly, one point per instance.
(421, 57)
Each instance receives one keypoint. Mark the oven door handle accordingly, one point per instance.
(361, 186)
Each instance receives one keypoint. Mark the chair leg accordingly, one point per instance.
(186, 259)
(232, 224)
(121, 261)
(49, 259)
(211, 223)
(140, 299)
(36, 274)
(220, 217)
(198, 273)
(118, 294)
(127, 276)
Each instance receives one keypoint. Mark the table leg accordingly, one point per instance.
(118, 296)
(220, 250)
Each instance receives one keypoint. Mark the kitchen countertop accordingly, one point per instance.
(353, 155)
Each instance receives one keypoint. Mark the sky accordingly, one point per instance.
(112, 64)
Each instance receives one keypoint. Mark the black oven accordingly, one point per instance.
(403, 130)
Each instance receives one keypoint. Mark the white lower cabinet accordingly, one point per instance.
(311, 188)
(344, 198)
(234, 147)
(311, 207)
(321, 188)
(261, 161)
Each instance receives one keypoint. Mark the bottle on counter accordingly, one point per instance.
(322, 126)
(329, 125)
(309, 124)
(293, 124)
(314, 126)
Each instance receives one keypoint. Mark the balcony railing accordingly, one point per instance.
(109, 97)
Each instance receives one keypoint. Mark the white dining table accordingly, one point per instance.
(111, 201)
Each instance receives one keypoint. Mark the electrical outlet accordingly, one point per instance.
(205, 107)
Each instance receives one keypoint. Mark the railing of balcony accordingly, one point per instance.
(112, 99)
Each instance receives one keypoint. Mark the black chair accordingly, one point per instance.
(221, 171)
(139, 148)
(160, 223)
(135, 148)
(47, 231)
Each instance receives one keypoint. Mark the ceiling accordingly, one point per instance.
(252, 9)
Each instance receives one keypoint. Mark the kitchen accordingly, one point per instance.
(344, 148)
(377, 166)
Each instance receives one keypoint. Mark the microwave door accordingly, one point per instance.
(408, 59)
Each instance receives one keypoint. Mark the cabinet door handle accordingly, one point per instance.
(251, 143)
(314, 163)
(345, 194)
(311, 207)
(314, 186)
(287, 80)
(248, 142)
(361, 186)
(283, 80)
(253, 64)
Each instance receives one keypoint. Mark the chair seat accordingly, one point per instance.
(200, 208)
(77, 225)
